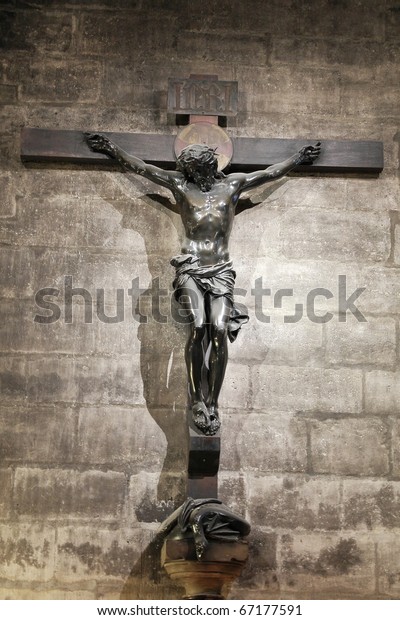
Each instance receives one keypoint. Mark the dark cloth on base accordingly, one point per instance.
(217, 280)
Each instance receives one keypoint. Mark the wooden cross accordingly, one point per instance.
(202, 98)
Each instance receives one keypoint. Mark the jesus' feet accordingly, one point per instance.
(200, 416)
(214, 419)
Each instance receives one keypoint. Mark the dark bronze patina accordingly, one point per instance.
(204, 275)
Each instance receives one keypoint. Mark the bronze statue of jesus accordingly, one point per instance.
(205, 278)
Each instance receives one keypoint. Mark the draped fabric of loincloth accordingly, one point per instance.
(217, 280)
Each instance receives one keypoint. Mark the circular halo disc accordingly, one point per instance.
(209, 134)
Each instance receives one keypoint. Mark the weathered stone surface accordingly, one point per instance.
(12, 378)
(371, 504)
(123, 436)
(281, 388)
(7, 203)
(106, 380)
(388, 567)
(61, 81)
(35, 30)
(38, 434)
(382, 392)
(317, 89)
(60, 492)
(225, 48)
(8, 93)
(27, 552)
(396, 448)
(327, 565)
(370, 343)
(357, 447)
(385, 192)
(278, 343)
(83, 554)
(112, 397)
(259, 572)
(6, 489)
(235, 393)
(281, 437)
(293, 502)
(48, 594)
(113, 34)
(359, 100)
(396, 255)
(335, 235)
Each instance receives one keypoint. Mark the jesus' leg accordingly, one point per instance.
(218, 313)
(192, 301)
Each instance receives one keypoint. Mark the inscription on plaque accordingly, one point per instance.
(202, 96)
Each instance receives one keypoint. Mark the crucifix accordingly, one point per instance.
(207, 199)
(191, 166)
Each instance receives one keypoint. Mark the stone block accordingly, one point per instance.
(278, 343)
(256, 228)
(6, 490)
(330, 52)
(382, 392)
(107, 380)
(382, 290)
(60, 492)
(12, 378)
(235, 393)
(8, 207)
(298, 191)
(131, 35)
(396, 255)
(45, 594)
(88, 379)
(327, 565)
(224, 48)
(388, 565)
(371, 504)
(360, 100)
(396, 448)
(61, 81)
(280, 440)
(117, 436)
(27, 552)
(259, 572)
(84, 554)
(39, 434)
(19, 331)
(283, 388)
(232, 491)
(293, 502)
(281, 90)
(365, 194)
(34, 31)
(52, 379)
(370, 343)
(42, 217)
(335, 235)
(8, 93)
(352, 447)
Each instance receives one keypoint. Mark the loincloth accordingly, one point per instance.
(216, 280)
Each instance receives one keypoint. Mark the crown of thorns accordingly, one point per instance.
(199, 153)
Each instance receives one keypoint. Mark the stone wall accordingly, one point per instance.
(92, 439)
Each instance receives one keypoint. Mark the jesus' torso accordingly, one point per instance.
(208, 218)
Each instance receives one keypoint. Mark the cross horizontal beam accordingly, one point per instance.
(46, 145)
